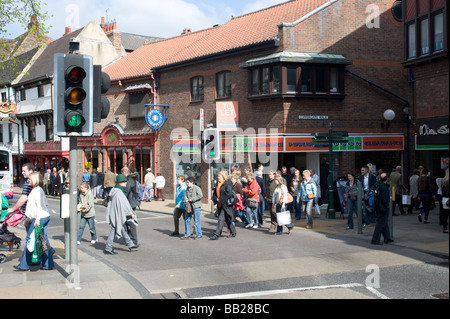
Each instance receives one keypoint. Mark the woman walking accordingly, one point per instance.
(37, 215)
(352, 193)
(193, 198)
(279, 200)
(252, 191)
(223, 192)
(307, 193)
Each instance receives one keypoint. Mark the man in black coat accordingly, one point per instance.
(382, 209)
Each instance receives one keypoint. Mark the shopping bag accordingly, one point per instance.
(283, 218)
(445, 202)
(30, 241)
(406, 200)
(37, 246)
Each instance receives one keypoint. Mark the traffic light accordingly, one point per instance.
(102, 82)
(211, 141)
(73, 95)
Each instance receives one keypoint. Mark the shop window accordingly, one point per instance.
(197, 89)
(223, 84)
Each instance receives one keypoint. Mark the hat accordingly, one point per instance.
(121, 178)
(149, 169)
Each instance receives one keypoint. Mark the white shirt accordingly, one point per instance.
(159, 181)
(37, 206)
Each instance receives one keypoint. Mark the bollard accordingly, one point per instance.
(359, 205)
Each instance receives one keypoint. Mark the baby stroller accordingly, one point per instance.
(11, 219)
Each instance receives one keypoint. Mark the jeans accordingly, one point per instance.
(351, 209)
(197, 223)
(425, 199)
(261, 208)
(307, 209)
(91, 222)
(46, 258)
(242, 216)
(298, 207)
(112, 233)
(148, 192)
(254, 212)
(280, 228)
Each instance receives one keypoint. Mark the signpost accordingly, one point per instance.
(321, 140)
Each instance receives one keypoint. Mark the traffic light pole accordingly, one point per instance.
(73, 251)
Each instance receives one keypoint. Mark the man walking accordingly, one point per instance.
(397, 184)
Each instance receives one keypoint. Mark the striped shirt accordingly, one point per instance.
(27, 188)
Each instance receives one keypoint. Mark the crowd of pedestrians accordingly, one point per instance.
(240, 195)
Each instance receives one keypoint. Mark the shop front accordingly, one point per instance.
(114, 148)
(432, 144)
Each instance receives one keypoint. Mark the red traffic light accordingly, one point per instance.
(75, 74)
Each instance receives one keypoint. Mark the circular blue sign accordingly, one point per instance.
(155, 119)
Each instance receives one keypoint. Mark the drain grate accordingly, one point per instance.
(166, 295)
(441, 296)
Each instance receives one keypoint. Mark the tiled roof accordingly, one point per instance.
(250, 29)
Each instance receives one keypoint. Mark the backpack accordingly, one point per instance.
(139, 191)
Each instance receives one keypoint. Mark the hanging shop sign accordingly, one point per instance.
(155, 119)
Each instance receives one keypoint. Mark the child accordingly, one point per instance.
(87, 210)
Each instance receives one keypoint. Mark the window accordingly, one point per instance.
(265, 81)
(411, 40)
(4, 97)
(223, 84)
(295, 80)
(438, 31)
(424, 46)
(23, 96)
(291, 79)
(255, 82)
(40, 89)
(276, 87)
(197, 89)
(425, 35)
(49, 128)
(32, 130)
(137, 104)
(306, 79)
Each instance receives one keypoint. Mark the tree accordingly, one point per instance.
(27, 13)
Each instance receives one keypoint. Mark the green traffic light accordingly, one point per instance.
(75, 120)
(212, 153)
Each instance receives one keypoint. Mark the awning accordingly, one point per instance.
(297, 57)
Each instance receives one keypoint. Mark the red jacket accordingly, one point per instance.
(252, 190)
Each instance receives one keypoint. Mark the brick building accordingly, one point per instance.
(426, 57)
(282, 73)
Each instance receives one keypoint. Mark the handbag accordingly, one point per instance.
(232, 200)
(310, 195)
(15, 218)
(44, 241)
(406, 200)
(445, 203)
(289, 200)
(252, 202)
(283, 218)
(188, 207)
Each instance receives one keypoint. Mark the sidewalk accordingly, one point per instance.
(100, 280)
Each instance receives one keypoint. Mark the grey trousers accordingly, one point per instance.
(112, 234)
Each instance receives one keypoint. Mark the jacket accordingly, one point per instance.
(87, 199)
(179, 196)
(307, 187)
(131, 191)
(372, 181)
(226, 192)
(118, 210)
(37, 206)
(252, 190)
(110, 179)
(385, 198)
(195, 194)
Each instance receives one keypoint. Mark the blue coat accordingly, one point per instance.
(307, 188)
(179, 196)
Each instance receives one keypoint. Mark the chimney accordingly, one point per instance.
(67, 31)
(33, 22)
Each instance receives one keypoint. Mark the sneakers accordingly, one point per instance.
(93, 241)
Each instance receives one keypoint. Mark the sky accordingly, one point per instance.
(159, 18)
